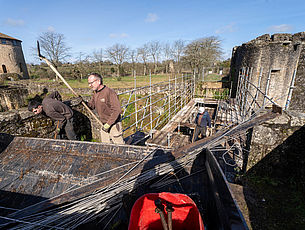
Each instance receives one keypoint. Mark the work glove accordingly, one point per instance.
(106, 127)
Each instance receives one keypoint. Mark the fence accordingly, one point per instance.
(252, 97)
(151, 107)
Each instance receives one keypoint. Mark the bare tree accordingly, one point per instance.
(133, 58)
(118, 54)
(154, 49)
(203, 52)
(167, 51)
(98, 57)
(54, 46)
(82, 61)
(177, 52)
(143, 55)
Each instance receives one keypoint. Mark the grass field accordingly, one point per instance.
(125, 82)
(212, 77)
(128, 81)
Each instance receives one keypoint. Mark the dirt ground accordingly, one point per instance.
(270, 206)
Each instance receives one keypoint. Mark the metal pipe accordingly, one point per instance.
(243, 95)
(168, 139)
(150, 102)
(175, 92)
(146, 106)
(144, 87)
(267, 87)
(259, 84)
(249, 75)
(144, 112)
(238, 85)
(194, 92)
(266, 96)
(142, 97)
(254, 98)
(181, 92)
(135, 97)
(290, 90)
(125, 106)
(169, 93)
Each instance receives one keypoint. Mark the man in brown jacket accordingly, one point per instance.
(106, 102)
(55, 109)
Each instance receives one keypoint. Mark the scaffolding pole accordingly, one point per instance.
(150, 109)
(135, 97)
(267, 87)
(290, 90)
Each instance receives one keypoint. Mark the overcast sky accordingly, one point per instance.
(90, 25)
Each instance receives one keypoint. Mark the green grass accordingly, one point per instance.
(212, 77)
(221, 95)
(125, 82)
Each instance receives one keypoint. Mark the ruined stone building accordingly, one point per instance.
(276, 65)
(11, 57)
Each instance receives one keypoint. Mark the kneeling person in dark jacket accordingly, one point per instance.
(53, 107)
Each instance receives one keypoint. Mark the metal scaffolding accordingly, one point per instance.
(151, 107)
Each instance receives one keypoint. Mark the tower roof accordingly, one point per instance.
(8, 37)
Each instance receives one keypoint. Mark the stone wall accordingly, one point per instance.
(298, 93)
(22, 122)
(12, 98)
(278, 56)
(12, 59)
(276, 136)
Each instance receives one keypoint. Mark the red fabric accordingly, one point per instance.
(184, 216)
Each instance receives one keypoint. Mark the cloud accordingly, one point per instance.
(151, 17)
(122, 35)
(280, 28)
(51, 29)
(226, 29)
(13, 22)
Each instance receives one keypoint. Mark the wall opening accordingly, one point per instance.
(20, 67)
(274, 87)
(295, 47)
(4, 69)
